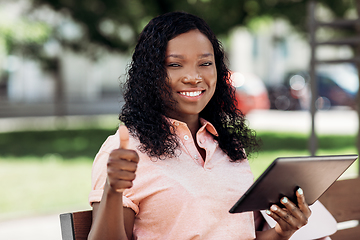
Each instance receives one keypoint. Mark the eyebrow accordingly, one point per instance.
(205, 55)
(175, 56)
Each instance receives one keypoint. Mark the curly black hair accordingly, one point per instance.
(146, 89)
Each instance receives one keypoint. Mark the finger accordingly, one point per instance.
(121, 175)
(124, 137)
(274, 212)
(291, 207)
(124, 165)
(304, 207)
(293, 215)
(120, 185)
(124, 154)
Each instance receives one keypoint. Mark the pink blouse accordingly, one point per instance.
(184, 197)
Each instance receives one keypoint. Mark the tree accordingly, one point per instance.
(18, 36)
(115, 24)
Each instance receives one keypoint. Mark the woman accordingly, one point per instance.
(185, 140)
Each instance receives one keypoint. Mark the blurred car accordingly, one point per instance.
(251, 92)
(336, 85)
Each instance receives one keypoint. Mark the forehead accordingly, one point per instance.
(192, 42)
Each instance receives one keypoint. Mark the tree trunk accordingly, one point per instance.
(59, 98)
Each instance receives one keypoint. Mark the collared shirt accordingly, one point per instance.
(183, 197)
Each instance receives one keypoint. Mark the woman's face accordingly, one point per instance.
(192, 76)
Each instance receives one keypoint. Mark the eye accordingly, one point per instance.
(174, 65)
(206, 64)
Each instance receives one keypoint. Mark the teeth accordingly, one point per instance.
(191, 94)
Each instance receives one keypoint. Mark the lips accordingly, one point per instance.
(191, 93)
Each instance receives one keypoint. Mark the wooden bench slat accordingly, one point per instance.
(342, 200)
(83, 222)
(76, 226)
(348, 234)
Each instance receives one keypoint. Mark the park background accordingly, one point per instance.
(62, 64)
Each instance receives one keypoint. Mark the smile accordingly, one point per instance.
(191, 94)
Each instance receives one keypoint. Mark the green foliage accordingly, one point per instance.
(86, 142)
(64, 143)
(295, 141)
(116, 23)
(22, 33)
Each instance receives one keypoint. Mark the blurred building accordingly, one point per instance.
(274, 50)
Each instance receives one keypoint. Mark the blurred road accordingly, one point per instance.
(48, 227)
(106, 105)
(339, 121)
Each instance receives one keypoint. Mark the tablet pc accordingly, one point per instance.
(286, 174)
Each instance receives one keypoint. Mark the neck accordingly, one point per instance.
(193, 125)
(192, 121)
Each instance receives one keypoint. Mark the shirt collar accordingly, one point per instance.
(204, 125)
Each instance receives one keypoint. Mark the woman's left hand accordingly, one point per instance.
(292, 217)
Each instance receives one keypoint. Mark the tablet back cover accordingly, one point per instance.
(285, 175)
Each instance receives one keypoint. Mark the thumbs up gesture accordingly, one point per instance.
(122, 164)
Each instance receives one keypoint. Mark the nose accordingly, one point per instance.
(192, 77)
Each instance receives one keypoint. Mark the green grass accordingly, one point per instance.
(50, 171)
(47, 185)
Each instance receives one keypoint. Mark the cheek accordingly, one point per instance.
(211, 76)
(213, 88)
(214, 80)
(170, 81)
(173, 77)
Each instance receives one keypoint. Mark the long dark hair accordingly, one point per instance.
(146, 88)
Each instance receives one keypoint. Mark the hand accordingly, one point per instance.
(292, 217)
(122, 164)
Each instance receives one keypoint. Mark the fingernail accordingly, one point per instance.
(284, 200)
(268, 212)
(273, 207)
(300, 191)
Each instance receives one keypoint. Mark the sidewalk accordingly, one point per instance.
(326, 122)
(36, 228)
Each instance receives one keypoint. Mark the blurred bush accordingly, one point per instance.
(87, 142)
(66, 143)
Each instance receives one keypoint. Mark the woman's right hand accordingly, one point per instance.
(122, 164)
(110, 219)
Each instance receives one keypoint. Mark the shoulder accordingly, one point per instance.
(113, 142)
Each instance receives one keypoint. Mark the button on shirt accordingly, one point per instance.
(186, 196)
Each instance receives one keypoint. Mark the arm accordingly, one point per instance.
(289, 219)
(110, 219)
(110, 215)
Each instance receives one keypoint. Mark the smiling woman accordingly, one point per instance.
(179, 164)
